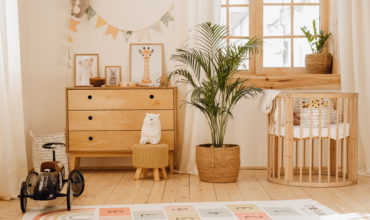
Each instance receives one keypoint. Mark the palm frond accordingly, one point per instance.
(209, 67)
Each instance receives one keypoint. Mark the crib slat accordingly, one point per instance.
(344, 146)
(273, 138)
(279, 138)
(352, 151)
(296, 152)
(342, 140)
(271, 141)
(269, 145)
(337, 141)
(329, 139)
(320, 124)
(311, 151)
(301, 139)
(288, 139)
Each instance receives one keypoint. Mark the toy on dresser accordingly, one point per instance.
(48, 184)
(156, 83)
(151, 130)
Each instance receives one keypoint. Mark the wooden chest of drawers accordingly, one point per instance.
(106, 122)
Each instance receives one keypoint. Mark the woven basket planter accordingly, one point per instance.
(318, 62)
(218, 165)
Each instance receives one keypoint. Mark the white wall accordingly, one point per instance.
(43, 47)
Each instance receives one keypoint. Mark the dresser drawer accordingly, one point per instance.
(120, 99)
(99, 141)
(116, 120)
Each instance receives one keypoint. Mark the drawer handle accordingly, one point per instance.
(90, 117)
(151, 96)
(91, 138)
(89, 96)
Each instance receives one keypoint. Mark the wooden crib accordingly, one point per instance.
(312, 139)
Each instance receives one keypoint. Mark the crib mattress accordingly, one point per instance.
(315, 131)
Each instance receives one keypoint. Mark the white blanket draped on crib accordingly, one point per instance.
(315, 131)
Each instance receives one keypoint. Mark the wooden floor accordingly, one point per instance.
(118, 187)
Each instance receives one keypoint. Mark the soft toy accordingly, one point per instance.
(151, 130)
(79, 7)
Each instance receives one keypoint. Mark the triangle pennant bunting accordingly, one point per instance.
(70, 39)
(100, 22)
(127, 35)
(140, 35)
(166, 18)
(90, 13)
(72, 25)
(112, 31)
(157, 27)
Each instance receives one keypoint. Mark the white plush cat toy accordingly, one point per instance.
(151, 130)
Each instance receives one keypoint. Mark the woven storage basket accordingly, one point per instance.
(316, 117)
(218, 165)
(40, 154)
(315, 114)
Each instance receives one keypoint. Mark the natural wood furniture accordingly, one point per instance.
(318, 156)
(150, 156)
(106, 122)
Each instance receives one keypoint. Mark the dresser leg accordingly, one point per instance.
(72, 162)
(170, 158)
(77, 163)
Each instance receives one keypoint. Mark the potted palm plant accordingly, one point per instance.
(209, 68)
(317, 62)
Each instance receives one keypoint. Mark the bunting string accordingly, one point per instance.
(127, 34)
(139, 35)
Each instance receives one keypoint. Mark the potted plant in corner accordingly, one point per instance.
(209, 69)
(317, 62)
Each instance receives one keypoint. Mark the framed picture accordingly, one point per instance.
(86, 66)
(146, 63)
(112, 75)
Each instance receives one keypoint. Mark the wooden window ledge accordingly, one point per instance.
(294, 81)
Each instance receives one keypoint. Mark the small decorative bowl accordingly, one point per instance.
(97, 81)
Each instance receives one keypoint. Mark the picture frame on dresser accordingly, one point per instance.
(146, 62)
(86, 66)
(112, 75)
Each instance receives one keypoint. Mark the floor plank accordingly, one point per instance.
(119, 187)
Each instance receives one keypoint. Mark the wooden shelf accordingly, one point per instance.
(294, 81)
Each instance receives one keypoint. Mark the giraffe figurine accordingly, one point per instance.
(146, 52)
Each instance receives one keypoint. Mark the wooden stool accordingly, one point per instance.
(150, 156)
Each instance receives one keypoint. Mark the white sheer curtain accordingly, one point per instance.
(194, 129)
(13, 166)
(354, 54)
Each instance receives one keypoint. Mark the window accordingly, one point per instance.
(279, 22)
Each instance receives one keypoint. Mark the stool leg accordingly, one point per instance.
(145, 172)
(170, 160)
(164, 173)
(156, 174)
(138, 173)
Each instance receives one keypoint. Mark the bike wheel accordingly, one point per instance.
(31, 182)
(78, 182)
(22, 197)
(69, 195)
